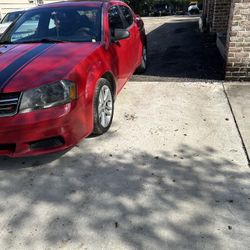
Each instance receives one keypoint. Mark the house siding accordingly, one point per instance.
(11, 5)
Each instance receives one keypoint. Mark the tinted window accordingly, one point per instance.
(115, 20)
(73, 24)
(127, 15)
(26, 29)
(11, 17)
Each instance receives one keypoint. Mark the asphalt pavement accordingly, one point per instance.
(177, 51)
(172, 173)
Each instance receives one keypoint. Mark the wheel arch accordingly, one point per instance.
(109, 76)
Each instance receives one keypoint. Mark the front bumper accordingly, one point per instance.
(44, 131)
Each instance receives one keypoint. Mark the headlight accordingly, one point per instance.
(47, 96)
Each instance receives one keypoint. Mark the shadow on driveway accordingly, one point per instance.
(178, 50)
(128, 201)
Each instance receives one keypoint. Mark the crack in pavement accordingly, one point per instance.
(236, 125)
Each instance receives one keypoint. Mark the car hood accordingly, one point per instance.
(26, 66)
(3, 27)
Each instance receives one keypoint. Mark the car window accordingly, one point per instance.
(69, 24)
(11, 17)
(52, 24)
(115, 20)
(127, 15)
(27, 29)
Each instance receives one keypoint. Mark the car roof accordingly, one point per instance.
(17, 11)
(97, 3)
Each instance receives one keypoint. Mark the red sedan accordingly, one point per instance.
(61, 68)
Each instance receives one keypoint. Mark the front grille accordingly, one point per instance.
(9, 103)
(9, 148)
(47, 143)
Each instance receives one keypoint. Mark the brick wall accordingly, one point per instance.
(204, 12)
(221, 15)
(238, 43)
(210, 13)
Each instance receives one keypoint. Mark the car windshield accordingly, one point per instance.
(64, 24)
(11, 17)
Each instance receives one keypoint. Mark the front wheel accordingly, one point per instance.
(144, 59)
(103, 107)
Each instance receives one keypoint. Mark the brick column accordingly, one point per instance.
(238, 43)
(210, 13)
(221, 15)
(204, 15)
(205, 8)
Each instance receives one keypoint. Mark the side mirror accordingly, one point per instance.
(139, 22)
(120, 34)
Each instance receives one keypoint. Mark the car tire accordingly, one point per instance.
(103, 107)
(144, 59)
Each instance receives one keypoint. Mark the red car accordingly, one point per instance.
(61, 68)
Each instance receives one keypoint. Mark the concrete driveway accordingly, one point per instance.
(171, 173)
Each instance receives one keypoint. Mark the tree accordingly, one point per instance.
(139, 5)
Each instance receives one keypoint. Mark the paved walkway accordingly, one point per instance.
(170, 174)
(238, 95)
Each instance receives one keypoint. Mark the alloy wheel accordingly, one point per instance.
(105, 106)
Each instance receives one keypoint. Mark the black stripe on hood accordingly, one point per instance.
(14, 68)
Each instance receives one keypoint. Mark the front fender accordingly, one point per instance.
(96, 72)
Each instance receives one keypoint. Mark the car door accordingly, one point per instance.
(134, 41)
(122, 57)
